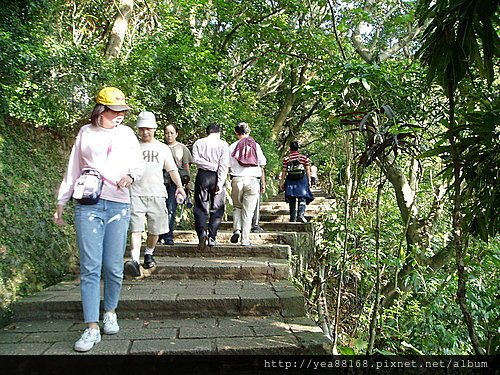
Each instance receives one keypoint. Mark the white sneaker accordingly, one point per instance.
(90, 337)
(110, 323)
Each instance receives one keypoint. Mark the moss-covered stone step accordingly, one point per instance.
(226, 268)
(274, 226)
(151, 298)
(224, 236)
(190, 249)
(274, 217)
(171, 336)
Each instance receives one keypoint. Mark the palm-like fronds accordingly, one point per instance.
(460, 30)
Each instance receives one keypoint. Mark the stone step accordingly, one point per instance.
(284, 213)
(225, 268)
(172, 336)
(187, 249)
(283, 209)
(274, 226)
(223, 237)
(227, 299)
(153, 299)
(275, 217)
(281, 198)
(315, 204)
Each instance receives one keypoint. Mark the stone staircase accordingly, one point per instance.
(228, 299)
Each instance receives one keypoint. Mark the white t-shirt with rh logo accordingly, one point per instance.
(157, 157)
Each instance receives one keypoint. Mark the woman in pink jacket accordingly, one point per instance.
(111, 149)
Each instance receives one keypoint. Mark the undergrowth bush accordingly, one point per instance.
(34, 252)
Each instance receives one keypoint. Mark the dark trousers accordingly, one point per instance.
(172, 208)
(297, 212)
(207, 204)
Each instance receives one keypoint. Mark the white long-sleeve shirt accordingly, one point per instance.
(212, 154)
(113, 152)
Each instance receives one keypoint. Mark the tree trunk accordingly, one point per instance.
(392, 289)
(119, 30)
(418, 231)
(347, 213)
(335, 32)
(197, 26)
(378, 281)
(286, 108)
(372, 51)
(458, 237)
(405, 197)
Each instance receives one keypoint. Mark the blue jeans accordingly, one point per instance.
(101, 233)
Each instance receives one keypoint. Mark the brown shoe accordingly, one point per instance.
(202, 245)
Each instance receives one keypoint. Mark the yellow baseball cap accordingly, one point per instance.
(112, 98)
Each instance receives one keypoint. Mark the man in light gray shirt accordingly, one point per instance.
(211, 155)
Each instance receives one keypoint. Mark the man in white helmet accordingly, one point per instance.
(148, 195)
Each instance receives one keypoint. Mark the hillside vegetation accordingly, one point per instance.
(397, 103)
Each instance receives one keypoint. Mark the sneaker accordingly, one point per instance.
(132, 268)
(235, 237)
(110, 323)
(246, 244)
(301, 219)
(257, 229)
(211, 242)
(89, 338)
(149, 261)
(169, 242)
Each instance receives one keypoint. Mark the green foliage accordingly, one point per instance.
(479, 147)
(194, 62)
(458, 33)
(431, 320)
(425, 320)
(34, 253)
(46, 80)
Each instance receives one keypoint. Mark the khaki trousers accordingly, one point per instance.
(245, 194)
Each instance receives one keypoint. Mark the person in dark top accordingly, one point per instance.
(295, 181)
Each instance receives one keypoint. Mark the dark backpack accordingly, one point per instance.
(295, 170)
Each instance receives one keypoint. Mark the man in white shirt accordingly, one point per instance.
(211, 155)
(247, 164)
(148, 195)
(314, 174)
